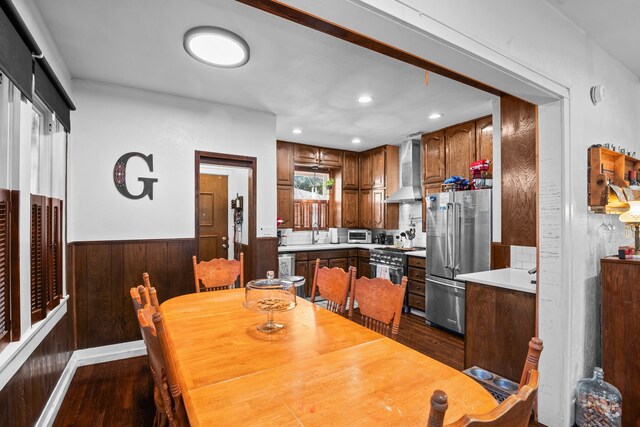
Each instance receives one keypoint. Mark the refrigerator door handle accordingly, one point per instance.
(449, 256)
(457, 221)
(437, 282)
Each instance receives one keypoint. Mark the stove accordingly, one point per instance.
(393, 259)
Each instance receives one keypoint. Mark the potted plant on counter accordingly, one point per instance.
(328, 184)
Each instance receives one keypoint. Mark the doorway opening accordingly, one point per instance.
(225, 206)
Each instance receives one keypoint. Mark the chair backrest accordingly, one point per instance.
(218, 273)
(164, 377)
(333, 284)
(380, 303)
(515, 411)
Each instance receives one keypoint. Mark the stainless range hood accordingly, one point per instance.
(410, 166)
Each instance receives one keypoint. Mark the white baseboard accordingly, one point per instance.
(89, 356)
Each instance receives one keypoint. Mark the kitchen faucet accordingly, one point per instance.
(315, 233)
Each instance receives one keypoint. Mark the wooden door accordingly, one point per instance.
(329, 157)
(377, 209)
(305, 154)
(377, 167)
(460, 142)
(285, 205)
(365, 170)
(213, 217)
(350, 208)
(284, 163)
(433, 158)
(350, 171)
(484, 140)
(365, 209)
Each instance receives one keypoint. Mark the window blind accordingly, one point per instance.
(16, 47)
(50, 91)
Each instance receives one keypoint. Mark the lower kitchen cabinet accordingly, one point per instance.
(415, 284)
(499, 324)
(364, 269)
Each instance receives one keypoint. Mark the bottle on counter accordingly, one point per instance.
(598, 403)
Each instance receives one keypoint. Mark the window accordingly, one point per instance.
(311, 199)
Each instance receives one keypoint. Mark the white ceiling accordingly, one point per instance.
(614, 25)
(306, 78)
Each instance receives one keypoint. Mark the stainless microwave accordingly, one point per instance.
(359, 236)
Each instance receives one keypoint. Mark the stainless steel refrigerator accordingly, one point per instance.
(458, 242)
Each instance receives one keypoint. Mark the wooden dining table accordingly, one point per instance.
(320, 369)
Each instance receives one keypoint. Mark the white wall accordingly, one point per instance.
(237, 185)
(112, 121)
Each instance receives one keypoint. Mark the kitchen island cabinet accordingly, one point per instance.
(499, 323)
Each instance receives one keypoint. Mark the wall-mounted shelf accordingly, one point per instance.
(607, 167)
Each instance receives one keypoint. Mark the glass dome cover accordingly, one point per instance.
(268, 296)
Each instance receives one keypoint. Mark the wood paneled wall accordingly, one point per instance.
(519, 171)
(25, 395)
(103, 273)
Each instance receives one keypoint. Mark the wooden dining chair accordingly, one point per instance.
(218, 273)
(380, 304)
(515, 411)
(167, 396)
(333, 285)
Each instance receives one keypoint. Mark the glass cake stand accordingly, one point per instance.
(268, 296)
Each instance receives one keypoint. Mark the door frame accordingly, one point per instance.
(222, 159)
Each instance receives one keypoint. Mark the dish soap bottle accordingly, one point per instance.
(598, 403)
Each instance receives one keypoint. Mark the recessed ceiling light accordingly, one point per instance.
(435, 116)
(365, 99)
(356, 140)
(216, 46)
(297, 131)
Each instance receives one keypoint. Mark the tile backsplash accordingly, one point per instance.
(409, 212)
(523, 257)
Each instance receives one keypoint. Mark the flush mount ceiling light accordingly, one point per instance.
(434, 116)
(365, 99)
(216, 46)
(356, 140)
(297, 131)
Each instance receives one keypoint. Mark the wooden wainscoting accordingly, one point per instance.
(25, 395)
(103, 273)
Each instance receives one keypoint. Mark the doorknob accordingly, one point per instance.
(224, 239)
(224, 246)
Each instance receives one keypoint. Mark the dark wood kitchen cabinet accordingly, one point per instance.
(330, 157)
(350, 203)
(484, 140)
(460, 149)
(284, 163)
(305, 154)
(378, 208)
(285, 205)
(350, 171)
(433, 158)
(519, 171)
(498, 326)
(364, 212)
(366, 180)
(364, 269)
(378, 171)
(621, 332)
(416, 283)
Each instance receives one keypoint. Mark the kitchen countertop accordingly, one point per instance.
(422, 253)
(326, 247)
(507, 278)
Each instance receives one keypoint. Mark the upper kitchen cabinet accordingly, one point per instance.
(350, 171)
(484, 140)
(285, 205)
(366, 180)
(284, 159)
(378, 173)
(350, 205)
(365, 210)
(310, 155)
(433, 158)
(519, 171)
(460, 142)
